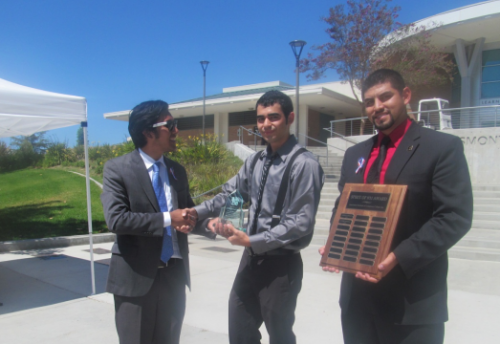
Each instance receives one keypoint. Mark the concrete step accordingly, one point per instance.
(486, 187)
(330, 187)
(481, 238)
(483, 224)
(487, 207)
(329, 194)
(471, 253)
(488, 201)
(486, 216)
(324, 215)
(326, 208)
(486, 194)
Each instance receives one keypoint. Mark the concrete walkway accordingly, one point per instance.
(45, 298)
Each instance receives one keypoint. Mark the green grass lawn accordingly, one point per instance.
(41, 203)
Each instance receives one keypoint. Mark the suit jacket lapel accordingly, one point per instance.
(142, 177)
(365, 154)
(172, 176)
(407, 147)
(175, 186)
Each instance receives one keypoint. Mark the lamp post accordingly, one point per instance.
(204, 65)
(297, 47)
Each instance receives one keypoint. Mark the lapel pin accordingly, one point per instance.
(410, 148)
(361, 163)
(172, 173)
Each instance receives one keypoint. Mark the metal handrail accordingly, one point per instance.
(256, 134)
(341, 136)
(348, 119)
(455, 109)
(206, 192)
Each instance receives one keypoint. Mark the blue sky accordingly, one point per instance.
(118, 53)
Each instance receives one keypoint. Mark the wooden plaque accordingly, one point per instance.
(364, 224)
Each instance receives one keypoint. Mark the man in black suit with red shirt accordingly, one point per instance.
(409, 303)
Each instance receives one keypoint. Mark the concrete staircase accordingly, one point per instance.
(482, 242)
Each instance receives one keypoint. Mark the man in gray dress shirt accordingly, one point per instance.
(269, 277)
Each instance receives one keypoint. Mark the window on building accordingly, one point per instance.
(490, 83)
(188, 123)
(242, 118)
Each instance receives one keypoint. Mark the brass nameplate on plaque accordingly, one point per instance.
(364, 224)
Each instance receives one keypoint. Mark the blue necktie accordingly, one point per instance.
(167, 249)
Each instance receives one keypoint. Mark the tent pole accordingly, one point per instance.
(89, 204)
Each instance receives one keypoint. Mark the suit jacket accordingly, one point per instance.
(437, 212)
(133, 214)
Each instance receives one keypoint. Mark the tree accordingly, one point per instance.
(79, 137)
(409, 51)
(354, 31)
(37, 141)
(366, 37)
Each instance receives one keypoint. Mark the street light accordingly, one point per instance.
(297, 47)
(204, 65)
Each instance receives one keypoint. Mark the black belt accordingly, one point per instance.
(171, 262)
(275, 252)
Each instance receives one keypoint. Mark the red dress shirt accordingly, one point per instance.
(396, 136)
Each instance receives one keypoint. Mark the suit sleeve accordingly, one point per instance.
(116, 204)
(211, 208)
(451, 212)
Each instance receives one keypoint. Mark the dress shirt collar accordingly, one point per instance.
(397, 134)
(149, 161)
(283, 151)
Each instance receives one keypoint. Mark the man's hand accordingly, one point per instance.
(183, 220)
(219, 228)
(227, 230)
(327, 268)
(385, 267)
(212, 225)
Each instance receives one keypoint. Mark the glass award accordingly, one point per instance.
(232, 211)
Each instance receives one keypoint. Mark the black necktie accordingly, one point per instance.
(263, 178)
(374, 173)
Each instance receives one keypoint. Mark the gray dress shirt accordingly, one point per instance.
(295, 229)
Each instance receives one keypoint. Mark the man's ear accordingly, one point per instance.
(291, 118)
(406, 95)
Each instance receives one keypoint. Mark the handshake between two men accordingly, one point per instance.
(184, 220)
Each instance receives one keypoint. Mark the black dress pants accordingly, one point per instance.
(360, 325)
(265, 290)
(155, 318)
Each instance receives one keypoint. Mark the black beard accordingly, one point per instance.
(384, 126)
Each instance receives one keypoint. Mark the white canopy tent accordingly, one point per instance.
(25, 111)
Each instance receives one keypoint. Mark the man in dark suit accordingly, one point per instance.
(409, 303)
(143, 195)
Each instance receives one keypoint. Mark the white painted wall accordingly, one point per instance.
(241, 151)
(482, 150)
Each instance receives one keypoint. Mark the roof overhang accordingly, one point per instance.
(467, 23)
(318, 98)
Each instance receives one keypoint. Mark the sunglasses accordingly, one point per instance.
(171, 124)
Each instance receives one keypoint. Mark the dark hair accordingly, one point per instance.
(383, 75)
(272, 97)
(142, 117)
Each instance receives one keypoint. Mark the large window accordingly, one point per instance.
(490, 85)
(189, 123)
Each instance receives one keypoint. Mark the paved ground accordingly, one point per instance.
(45, 298)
